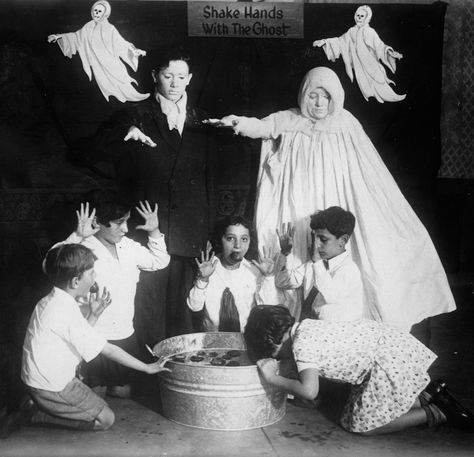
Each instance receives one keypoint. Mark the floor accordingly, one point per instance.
(140, 430)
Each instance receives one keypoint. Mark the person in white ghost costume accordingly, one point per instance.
(102, 50)
(317, 156)
(362, 51)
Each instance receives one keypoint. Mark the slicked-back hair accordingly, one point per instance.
(109, 205)
(266, 326)
(163, 58)
(66, 262)
(336, 220)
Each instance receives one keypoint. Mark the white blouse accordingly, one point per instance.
(248, 286)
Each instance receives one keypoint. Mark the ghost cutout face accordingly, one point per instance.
(97, 12)
(362, 15)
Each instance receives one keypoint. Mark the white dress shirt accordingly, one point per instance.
(57, 339)
(248, 286)
(340, 290)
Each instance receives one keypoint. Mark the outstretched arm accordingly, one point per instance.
(135, 134)
(319, 43)
(118, 355)
(250, 127)
(307, 386)
(53, 38)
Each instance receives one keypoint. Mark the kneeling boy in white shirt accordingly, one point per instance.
(59, 337)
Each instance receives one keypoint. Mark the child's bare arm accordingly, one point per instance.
(307, 386)
(124, 358)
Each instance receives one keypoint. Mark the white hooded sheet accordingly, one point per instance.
(308, 165)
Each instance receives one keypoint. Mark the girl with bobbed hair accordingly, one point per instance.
(386, 368)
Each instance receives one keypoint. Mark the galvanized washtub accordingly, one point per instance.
(216, 397)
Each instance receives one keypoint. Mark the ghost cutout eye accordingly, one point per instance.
(98, 12)
(360, 16)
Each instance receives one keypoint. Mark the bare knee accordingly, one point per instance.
(105, 419)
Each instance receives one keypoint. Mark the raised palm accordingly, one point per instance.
(86, 223)
(150, 217)
(98, 303)
(285, 238)
(207, 265)
(266, 265)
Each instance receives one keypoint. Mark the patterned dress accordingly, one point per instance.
(386, 367)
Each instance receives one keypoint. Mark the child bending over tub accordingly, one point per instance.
(386, 367)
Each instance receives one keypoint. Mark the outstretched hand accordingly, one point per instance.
(53, 38)
(139, 52)
(227, 121)
(266, 265)
(396, 55)
(319, 43)
(158, 366)
(86, 223)
(286, 238)
(150, 216)
(135, 134)
(207, 265)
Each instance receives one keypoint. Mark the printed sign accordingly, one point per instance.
(245, 20)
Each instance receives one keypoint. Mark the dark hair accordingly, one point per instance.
(221, 227)
(266, 326)
(335, 219)
(109, 205)
(67, 261)
(164, 58)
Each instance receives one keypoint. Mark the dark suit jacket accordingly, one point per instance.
(177, 173)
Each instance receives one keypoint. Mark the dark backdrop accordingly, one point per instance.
(244, 76)
(48, 107)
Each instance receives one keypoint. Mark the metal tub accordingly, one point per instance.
(216, 397)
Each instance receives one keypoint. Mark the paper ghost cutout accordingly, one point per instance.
(102, 50)
(362, 49)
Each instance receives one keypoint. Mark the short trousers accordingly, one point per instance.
(76, 401)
